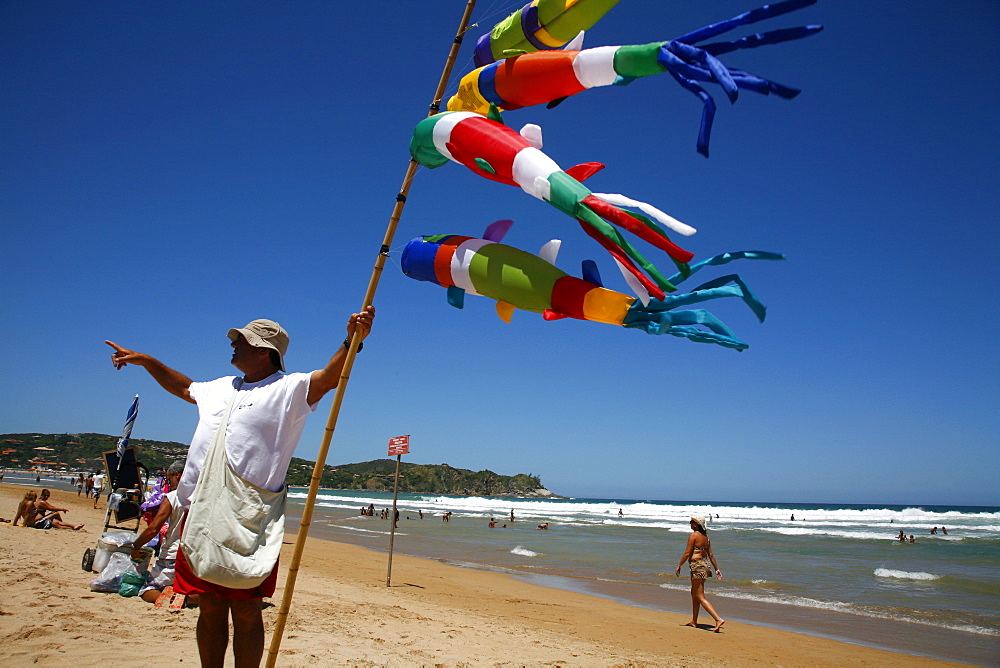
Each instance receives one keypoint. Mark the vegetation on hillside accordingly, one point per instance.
(377, 475)
(80, 452)
(83, 452)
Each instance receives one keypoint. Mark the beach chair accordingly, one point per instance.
(129, 482)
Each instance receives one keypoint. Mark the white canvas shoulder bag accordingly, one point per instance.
(234, 529)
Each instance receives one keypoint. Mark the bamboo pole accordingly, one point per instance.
(352, 351)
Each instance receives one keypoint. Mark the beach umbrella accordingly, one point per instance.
(133, 410)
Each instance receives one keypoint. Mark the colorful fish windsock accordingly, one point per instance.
(491, 149)
(548, 77)
(539, 25)
(517, 279)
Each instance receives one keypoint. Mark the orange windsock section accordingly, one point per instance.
(577, 298)
(442, 261)
(545, 76)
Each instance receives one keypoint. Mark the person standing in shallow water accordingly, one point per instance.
(698, 554)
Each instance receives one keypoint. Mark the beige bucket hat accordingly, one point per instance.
(264, 334)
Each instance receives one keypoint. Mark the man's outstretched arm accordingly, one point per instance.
(323, 380)
(172, 381)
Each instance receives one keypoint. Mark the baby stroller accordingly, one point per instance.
(130, 479)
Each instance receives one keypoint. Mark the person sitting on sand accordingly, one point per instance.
(35, 516)
(26, 509)
(49, 515)
(42, 505)
(170, 512)
(698, 553)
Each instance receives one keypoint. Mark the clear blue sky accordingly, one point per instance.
(171, 170)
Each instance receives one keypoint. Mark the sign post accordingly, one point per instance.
(399, 446)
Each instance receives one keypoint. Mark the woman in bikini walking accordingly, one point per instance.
(698, 554)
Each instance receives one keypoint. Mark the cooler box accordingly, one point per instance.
(110, 543)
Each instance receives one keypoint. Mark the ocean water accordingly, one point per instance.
(840, 560)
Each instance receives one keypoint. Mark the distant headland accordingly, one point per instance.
(67, 453)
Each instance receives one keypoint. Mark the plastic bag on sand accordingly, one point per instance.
(131, 583)
(113, 539)
(110, 579)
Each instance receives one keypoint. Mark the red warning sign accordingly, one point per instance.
(399, 445)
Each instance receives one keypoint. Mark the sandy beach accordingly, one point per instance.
(344, 615)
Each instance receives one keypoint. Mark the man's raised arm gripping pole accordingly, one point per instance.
(326, 379)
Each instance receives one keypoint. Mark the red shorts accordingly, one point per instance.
(186, 582)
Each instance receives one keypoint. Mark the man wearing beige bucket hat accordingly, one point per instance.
(253, 421)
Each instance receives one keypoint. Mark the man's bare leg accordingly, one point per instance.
(248, 632)
(213, 630)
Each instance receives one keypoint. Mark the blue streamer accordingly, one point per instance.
(690, 64)
(658, 316)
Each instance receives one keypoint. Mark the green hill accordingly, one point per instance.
(83, 452)
(378, 476)
(80, 452)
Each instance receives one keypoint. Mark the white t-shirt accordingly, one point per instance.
(263, 430)
(168, 550)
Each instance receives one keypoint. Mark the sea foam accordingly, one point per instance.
(523, 551)
(904, 575)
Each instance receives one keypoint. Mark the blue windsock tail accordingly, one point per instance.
(701, 336)
(759, 39)
(680, 323)
(723, 258)
(659, 316)
(715, 289)
(746, 18)
(690, 64)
